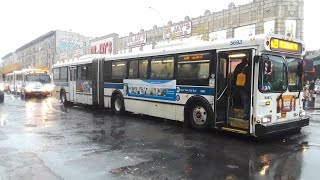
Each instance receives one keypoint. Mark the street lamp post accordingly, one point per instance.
(159, 15)
(154, 43)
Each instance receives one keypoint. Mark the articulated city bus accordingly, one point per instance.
(195, 83)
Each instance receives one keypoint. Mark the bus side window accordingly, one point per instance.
(89, 72)
(143, 68)
(107, 68)
(64, 74)
(133, 69)
(119, 69)
(162, 68)
(56, 74)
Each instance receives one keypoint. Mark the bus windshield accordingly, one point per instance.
(295, 74)
(273, 75)
(44, 79)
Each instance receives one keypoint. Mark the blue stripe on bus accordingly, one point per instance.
(113, 85)
(196, 90)
(180, 89)
(61, 83)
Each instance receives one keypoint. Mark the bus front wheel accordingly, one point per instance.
(117, 104)
(199, 115)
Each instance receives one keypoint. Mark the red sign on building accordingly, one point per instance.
(104, 46)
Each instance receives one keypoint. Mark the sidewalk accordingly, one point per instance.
(316, 104)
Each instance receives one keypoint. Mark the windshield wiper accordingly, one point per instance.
(284, 89)
(280, 97)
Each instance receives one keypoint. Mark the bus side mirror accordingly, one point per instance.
(257, 59)
(260, 59)
(300, 68)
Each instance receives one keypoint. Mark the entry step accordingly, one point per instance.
(236, 112)
(238, 123)
(235, 130)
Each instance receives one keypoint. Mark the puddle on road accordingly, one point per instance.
(123, 170)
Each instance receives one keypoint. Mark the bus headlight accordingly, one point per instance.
(266, 119)
(28, 88)
(302, 113)
(49, 87)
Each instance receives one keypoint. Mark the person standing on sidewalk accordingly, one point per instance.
(305, 97)
(312, 86)
(311, 93)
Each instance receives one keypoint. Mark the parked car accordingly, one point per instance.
(1, 92)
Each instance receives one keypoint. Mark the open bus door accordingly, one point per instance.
(229, 114)
(221, 98)
(72, 83)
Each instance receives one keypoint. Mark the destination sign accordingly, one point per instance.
(194, 57)
(282, 45)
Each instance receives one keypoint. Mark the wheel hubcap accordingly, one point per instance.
(199, 115)
(117, 104)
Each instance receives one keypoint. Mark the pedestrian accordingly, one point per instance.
(311, 86)
(236, 89)
(305, 97)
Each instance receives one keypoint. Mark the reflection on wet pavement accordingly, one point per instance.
(87, 143)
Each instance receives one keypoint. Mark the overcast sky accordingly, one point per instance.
(24, 20)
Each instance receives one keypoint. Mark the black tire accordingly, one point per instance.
(117, 104)
(199, 115)
(1, 98)
(63, 98)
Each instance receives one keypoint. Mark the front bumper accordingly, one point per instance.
(269, 130)
(37, 93)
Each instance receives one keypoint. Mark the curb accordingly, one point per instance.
(313, 108)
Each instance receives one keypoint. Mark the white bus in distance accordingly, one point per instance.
(195, 84)
(28, 82)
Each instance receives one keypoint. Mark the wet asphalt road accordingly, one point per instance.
(41, 139)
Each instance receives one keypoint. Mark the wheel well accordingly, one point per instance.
(189, 104)
(114, 93)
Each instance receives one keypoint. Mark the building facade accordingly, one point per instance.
(49, 48)
(283, 17)
(9, 60)
(258, 17)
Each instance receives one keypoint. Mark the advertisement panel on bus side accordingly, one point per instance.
(153, 89)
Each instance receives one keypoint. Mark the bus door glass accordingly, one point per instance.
(221, 105)
(72, 83)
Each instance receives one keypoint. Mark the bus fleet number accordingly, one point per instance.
(235, 42)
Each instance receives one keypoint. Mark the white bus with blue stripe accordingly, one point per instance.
(194, 83)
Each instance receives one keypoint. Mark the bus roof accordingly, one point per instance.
(174, 48)
(25, 71)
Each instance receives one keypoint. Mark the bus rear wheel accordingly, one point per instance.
(117, 104)
(199, 115)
